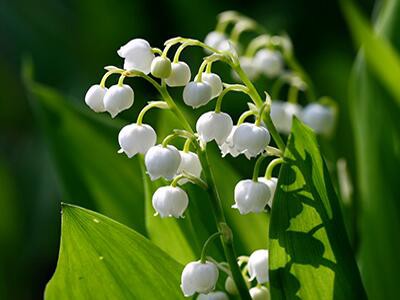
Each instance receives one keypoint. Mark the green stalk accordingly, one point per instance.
(259, 102)
(222, 226)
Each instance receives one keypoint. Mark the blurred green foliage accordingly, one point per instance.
(69, 43)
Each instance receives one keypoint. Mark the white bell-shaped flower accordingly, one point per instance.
(214, 81)
(180, 74)
(250, 139)
(198, 277)
(258, 266)
(259, 293)
(272, 183)
(269, 62)
(218, 295)
(118, 98)
(319, 117)
(251, 196)
(94, 98)
(248, 66)
(228, 147)
(197, 93)
(214, 39)
(214, 126)
(190, 163)
(161, 67)
(282, 114)
(170, 201)
(138, 55)
(135, 138)
(162, 161)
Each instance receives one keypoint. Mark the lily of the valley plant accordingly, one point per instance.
(256, 134)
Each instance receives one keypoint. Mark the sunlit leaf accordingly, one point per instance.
(102, 259)
(310, 255)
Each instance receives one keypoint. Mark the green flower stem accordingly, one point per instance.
(259, 102)
(186, 147)
(226, 236)
(150, 105)
(121, 80)
(179, 51)
(226, 233)
(104, 79)
(156, 51)
(257, 166)
(206, 244)
(191, 178)
(292, 94)
(229, 88)
(245, 115)
(257, 43)
(271, 166)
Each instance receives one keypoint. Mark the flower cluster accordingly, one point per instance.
(250, 136)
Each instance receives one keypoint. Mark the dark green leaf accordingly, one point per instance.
(310, 255)
(84, 150)
(380, 55)
(375, 117)
(102, 259)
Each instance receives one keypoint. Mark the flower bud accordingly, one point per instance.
(214, 81)
(135, 138)
(190, 163)
(94, 98)
(118, 98)
(161, 67)
(138, 55)
(218, 295)
(180, 74)
(230, 286)
(251, 139)
(271, 183)
(282, 114)
(170, 201)
(198, 277)
(259, 293)
(251, 196)
(214, 126)
(269, 62)
(196, 94)
(162, 162)
(258, 266)
(228, 147)
(214, 38)
(319, 117)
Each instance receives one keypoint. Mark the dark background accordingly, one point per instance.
(69, 42)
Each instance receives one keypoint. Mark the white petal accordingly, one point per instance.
(94, 98)
(162, 162)
(180, 74)
(196, 94)
(118, 98)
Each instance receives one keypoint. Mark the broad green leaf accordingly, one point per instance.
(102, 259)
(375, 118)
(380, 54)
(84, 150)
(310, 255)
